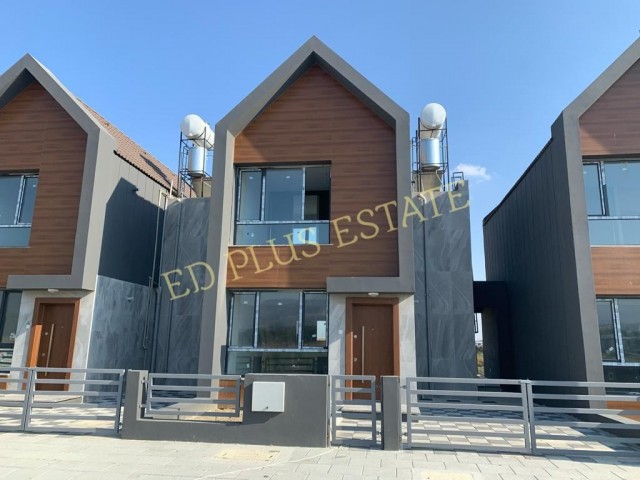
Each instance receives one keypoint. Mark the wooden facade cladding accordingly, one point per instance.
(616, 270)
(610, 128)
(317, 120)
(611, 125)
(37, 135)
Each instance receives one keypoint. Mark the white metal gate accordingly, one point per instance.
(353, 421)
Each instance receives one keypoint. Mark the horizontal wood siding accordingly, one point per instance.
(36, 134)
(318, 120)
(616, 270)
(611, 125)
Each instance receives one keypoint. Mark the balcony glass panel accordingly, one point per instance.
(14, 236)
(614, 231)
(301, 233)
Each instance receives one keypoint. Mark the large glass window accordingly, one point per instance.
(277, 331)
(9, 312)
(629, 311)
(250, 195)
(619, 320)
(613, 201)
(283, 205)
(17, 202)
(278, 320)
(621, 181)
(606, 323)
(592, 188)
(244, 306)
(314, 321)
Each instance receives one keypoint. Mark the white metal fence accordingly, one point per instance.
(63, 400)
(584, 418)
(538, 417)
(192, 396)
(467, 414)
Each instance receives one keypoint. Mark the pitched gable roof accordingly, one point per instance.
(313, 52)
(28, 69)
(134, 154)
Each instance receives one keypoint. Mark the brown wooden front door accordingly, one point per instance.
(372, 336)
(52, 339)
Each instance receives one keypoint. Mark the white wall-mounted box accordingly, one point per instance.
(268, 397)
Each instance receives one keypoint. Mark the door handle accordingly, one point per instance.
(50, 343)
(362, 343)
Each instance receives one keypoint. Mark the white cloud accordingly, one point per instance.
(475, 172)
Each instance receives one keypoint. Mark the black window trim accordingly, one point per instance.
(20, 203)
(262, 221)
(299, 324)
(3, 309)
(602, 183)
(618, 334)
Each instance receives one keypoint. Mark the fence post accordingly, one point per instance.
(132, 411)
(524, 392)
(391, 414)
(28, 399)
(409, 410)
(532, 415)
(116, 426)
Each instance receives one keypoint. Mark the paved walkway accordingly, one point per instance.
(52, 457)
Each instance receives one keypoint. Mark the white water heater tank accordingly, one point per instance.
(432, 120)
(196, 161)
(196, 129)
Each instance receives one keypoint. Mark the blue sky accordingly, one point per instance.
(503, 69)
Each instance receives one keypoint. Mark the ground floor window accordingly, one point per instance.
(9, 312)
(277, 331)
(619, 322)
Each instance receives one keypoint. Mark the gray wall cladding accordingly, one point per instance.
(178, 324)
(131, 218)
(121, 311)
(529, 244)
(445, 344)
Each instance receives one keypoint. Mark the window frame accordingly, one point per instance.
(262, 221)
(602, 184)
(256, 323)
(20, 204)
(3, 319)
(618, 334)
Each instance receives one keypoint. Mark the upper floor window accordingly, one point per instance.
(619, 321)
(9, 311)
(283, 205)
(17, 202)
(613, 201)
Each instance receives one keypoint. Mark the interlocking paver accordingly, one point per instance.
(54, 457)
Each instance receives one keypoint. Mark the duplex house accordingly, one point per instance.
(303, 259)
(81, 207)
(565, 243)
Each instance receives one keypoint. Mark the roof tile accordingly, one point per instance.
(134, 154)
